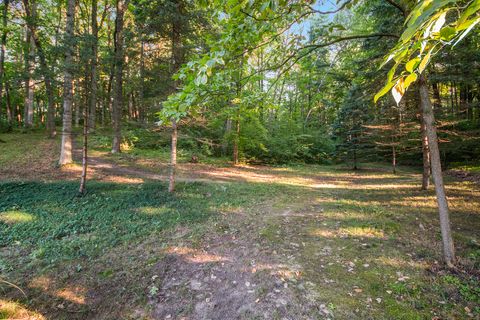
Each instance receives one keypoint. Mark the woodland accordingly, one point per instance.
(239, 159)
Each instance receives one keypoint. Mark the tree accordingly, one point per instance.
(69, 40)
(117, 106)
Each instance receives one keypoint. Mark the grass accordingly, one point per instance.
(364, 244)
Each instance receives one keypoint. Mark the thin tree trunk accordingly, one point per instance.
(93, 69)
(141, 106)
(2, 51)
(236, 141)
(425, 154)
(83, 178)
(10, 110)
(429, 119)
(173, 157)
(177, 60)
(66, 146)
(29, 83)
(117, 107)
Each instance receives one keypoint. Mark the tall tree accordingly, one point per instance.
(2, 50)
(93, 67)
(69, 40)
(117, 107)
(32, 26)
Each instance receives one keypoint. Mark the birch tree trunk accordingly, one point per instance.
(66, 145)
(431, 131)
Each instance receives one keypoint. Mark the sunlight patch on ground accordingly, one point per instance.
(15, 311)
(361, 232)
(73, 294)
(401, 263)
(152, 211)
(123, 179)
(196, 256)
(16, 216)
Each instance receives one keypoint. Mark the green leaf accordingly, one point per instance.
(447, 33)
(412, 77)
(410, 65)
(425, 61)
(384, 91)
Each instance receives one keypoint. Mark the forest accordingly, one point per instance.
(239, 159)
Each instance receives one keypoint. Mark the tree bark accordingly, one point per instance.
(29, 83)
(173, 157)
(429, 119)
(141, 106)
(425, 154)
(2, 51)
(66, 145)
(236, 141)
(177, 60)
(117, 106)
(93, 69)
(31, 23)
(83, 178)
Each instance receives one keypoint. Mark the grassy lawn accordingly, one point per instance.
(362, 244)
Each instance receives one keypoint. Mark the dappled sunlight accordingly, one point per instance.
(122, 179)
(399, 263)
(152, 211)
(344, 232)
(72, 294)
(15, 311)
(362, 232)
(15, 216)
(195, 256)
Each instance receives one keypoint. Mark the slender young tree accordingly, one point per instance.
(66, 145)
(431, 132)
(177, 60)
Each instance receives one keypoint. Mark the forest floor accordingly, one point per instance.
(245, 242)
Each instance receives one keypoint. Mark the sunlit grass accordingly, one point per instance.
(15, 216)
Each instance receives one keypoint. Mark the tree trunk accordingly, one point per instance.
(93, 69)
(83, 178)
(2, 51)
(236, 141)
(177, 60)
(66, 146)
(173, 157)
(429, 119)
(117, 107)
(29, 83)
(425, 154)
(141, 106)
(31, 23)
(10, 110)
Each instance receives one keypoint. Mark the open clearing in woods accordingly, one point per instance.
(250, 242)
